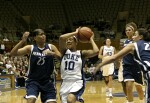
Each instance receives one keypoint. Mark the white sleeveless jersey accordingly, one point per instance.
(71, 65)
(108, 50)
(109, 68)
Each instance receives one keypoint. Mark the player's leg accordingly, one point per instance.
(147, 91)
(121, 79)
(124, 88)
(110, 81)
(31, 100)
(76, 92)
(71, 98)
(32, 91)
(106, 79)
(64, 90)
(138, 77)
(140, 92)
(110, 85)
(48, 92)
(63, 98)
(129, 88)
(129, 80)
(0, 93)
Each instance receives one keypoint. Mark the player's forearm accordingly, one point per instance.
(95, 48)
(107, 61)
(15, 49)
(100, 56)
(67, 35)
(56, 55)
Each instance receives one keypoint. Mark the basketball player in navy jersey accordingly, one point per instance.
(141, 53)
(40, 67)
(131, 69)
(72, 64)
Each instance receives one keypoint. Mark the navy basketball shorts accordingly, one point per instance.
(46, 88)
(133, 73)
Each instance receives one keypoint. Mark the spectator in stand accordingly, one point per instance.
(2, 49)
(5, 39)
(87, 73)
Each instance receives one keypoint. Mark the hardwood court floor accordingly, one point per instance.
(94, 93)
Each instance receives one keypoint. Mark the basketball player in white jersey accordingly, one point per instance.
(105, 52)
(72, 64)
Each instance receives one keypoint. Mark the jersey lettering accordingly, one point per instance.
(69, 65)
(71, 57)
(147, 46)
(41, 61)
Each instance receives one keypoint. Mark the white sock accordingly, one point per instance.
(110, 90)
(107, 90)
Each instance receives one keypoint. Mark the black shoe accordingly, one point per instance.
(24, 97)
(81, 100)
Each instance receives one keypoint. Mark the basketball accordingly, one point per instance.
(84, 34)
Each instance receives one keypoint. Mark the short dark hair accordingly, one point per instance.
(145, 33)
(37, 31)
(104, 42)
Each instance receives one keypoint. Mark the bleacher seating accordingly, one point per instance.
(70, 12)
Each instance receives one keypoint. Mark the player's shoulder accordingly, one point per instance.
(52, 45)
(113, 47)
(102, 47)
(28, 46)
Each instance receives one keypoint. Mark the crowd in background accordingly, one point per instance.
(14, 65)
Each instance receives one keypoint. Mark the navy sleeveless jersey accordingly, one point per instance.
(142, 53)
(128, 59)
(40, 66)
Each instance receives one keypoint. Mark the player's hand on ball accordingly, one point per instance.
(85, 34)
(77, 30)
(92, 37)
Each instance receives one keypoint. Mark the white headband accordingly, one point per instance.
(131, 27)
(75, 38)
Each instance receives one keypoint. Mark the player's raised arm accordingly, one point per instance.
(129, 48)
(93, 52)
(17, 50)
(100, 56)
(64, 37)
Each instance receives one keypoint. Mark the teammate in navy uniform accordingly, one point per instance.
(131, 69)
(72, 64)
(40, 67)
(141, 50)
